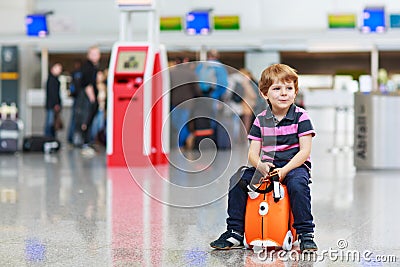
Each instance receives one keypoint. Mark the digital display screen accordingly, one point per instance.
(342, 21)
(171, 24)
(395, 21)
(373, 20)
(36, 25)
(198, 23)
(226, 22)
(131, 62)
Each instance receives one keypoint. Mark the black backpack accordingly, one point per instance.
(237, 93)
(75, 87)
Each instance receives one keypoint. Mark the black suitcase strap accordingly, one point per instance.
(273, 178)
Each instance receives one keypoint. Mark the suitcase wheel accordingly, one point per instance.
(288, 241)
(245, 242)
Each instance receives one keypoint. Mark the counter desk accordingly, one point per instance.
(377, 131)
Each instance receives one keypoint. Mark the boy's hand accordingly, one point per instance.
(264, 167)
(282, 173)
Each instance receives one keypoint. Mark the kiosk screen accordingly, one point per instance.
(131, 62)
(374, 20)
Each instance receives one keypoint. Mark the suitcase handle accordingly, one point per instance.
(273, 178)
(262, 191)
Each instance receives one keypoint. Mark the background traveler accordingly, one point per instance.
(53, 100)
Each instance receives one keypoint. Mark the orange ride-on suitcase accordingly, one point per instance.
(268, 216)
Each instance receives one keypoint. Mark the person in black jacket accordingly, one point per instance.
(183, 89)
(53, 100)
(74, 90)
(90, 91)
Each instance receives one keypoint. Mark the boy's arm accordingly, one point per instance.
(255, 159)
(301, 156)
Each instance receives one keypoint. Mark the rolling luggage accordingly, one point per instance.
(202, 131)
(268, 216)
(40, 143)
(8, 136)
(203, 120)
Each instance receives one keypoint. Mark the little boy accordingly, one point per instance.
(280, 137)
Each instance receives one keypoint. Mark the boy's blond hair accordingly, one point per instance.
(275, 73)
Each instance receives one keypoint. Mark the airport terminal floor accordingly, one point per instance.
(67, 210)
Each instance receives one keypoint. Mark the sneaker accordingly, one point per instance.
(228, 240)
(88, 151)
(307, 243)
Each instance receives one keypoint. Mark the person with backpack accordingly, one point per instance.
(53, 100)
(74, 90)
(213, 76)
(213, 81)
(241, 99)
(183, 90)
(249, 99)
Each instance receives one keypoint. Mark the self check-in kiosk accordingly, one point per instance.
(138, 105)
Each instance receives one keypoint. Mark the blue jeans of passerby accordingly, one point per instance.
(49, 123)
(297, 183)
(180, 119)
(71, 128)
(97, 124)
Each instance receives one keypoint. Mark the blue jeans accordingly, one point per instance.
(97, 124)
(296, 181)
(71, 128)
(49, 123)
(179, 120)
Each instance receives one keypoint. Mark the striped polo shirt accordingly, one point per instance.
(280, 140)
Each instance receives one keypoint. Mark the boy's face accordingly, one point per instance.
(281, 94)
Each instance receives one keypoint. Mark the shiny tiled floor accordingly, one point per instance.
(66, 210)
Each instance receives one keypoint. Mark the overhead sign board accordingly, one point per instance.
(171, 23)
(226, 22)
(342, 21)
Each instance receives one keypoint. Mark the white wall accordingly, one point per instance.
(12, 15)
(82, 16)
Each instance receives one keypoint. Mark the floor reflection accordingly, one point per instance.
(67, 210)
(137, 219)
